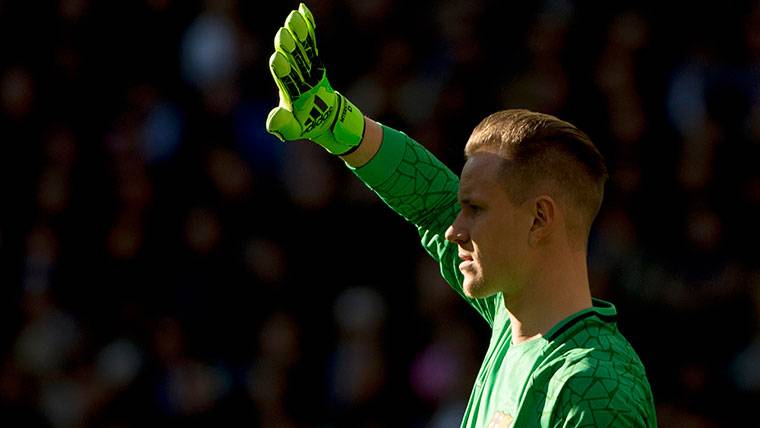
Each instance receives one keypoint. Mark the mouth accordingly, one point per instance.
(466, 263)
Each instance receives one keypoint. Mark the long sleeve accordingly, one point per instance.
(420, 188)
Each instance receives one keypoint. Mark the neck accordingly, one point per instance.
(551, 296)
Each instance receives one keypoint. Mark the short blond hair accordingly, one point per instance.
(540, 149)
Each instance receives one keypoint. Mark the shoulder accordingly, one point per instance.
(593, 377)
(599, 392)
(594, 345)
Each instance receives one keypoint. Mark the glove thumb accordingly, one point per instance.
(282, 124)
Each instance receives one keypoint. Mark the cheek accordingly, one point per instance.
(497, 246)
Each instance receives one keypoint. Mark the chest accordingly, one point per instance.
(501, 383)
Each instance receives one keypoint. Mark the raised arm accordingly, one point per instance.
(402, 172)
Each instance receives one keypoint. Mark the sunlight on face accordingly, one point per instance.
(490, 230)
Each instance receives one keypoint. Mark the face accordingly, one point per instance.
(491, 231)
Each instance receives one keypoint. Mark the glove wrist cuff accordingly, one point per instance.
(347, 129)
(349, 124)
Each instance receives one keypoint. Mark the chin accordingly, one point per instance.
(474, 288)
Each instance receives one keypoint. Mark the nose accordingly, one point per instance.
(455, 234)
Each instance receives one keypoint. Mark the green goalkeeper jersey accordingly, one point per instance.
(581, 373)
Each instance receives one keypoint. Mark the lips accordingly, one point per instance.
(465, 257)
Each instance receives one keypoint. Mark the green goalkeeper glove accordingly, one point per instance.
(310, 109)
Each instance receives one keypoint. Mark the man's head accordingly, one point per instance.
(532, 184)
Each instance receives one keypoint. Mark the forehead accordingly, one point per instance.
(480, 174)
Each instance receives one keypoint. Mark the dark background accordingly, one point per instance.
(166, 262)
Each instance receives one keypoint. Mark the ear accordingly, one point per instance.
(544, 211)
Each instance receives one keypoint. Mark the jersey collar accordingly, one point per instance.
(601, 309)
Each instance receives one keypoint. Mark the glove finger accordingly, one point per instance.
(303, 10)
(291, 49)
(296, 23)
(311, 40)
(287, 81)
(306, 45)
(282, 124)
(303, 51)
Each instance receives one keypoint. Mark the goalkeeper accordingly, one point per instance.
(510, 236)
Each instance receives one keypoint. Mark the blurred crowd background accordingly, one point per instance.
(166, 262)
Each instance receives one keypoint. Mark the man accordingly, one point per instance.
(510, 236)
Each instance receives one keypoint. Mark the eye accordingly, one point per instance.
(474, 209)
